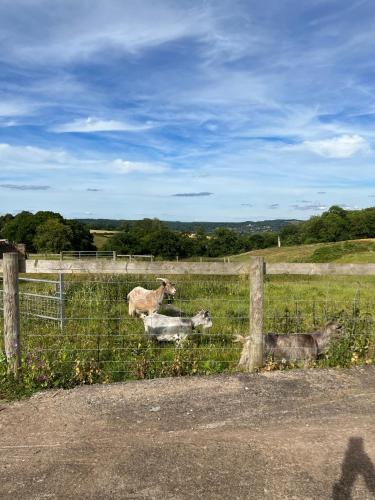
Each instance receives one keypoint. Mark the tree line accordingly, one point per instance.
(45, 231)
(151, 236)
(49, 232)
(336, 224)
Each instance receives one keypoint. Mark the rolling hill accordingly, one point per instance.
(209, 227)
(352, 251)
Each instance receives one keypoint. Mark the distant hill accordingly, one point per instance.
(240, 227)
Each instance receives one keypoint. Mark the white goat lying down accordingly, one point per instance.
(291, 346)
(170, 329)
(142, 300)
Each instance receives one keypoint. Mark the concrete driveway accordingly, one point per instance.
(302, 434)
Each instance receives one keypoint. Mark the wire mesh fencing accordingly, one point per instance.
(307, 304)
(100, 342)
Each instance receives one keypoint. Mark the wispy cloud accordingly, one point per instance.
(25, 187)
(309, 207)
(273, 206)
(30, 155)
(22, 158)
(109, 26)
(192, 195)
(94, 190)
(90, 125)
(345, 206)
(13, 107)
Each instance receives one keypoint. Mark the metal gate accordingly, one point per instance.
(41, 298)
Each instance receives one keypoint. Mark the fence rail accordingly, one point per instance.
(87, 254)
(171, 267)
(100, 254)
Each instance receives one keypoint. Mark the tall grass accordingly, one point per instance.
(101, 343)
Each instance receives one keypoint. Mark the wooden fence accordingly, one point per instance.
(256, 268)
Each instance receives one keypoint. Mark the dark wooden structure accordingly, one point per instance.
(20, 248)
(6, 247)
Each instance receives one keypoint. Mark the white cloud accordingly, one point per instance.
(344, 146)
(15, 107)
(31, 155)
(92, 124)
(25, 158)
(127, 167)
(309, 206)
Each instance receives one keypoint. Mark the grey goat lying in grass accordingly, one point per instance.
(291, 346)
(171, 329)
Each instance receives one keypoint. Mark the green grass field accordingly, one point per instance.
(355, 251)
(101, 343)
(101, 237)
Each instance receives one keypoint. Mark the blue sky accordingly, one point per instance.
(189, 110)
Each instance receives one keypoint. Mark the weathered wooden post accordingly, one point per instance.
(256, 313)
(11, 313)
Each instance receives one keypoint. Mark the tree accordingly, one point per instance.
(291, 234)
(53, 236)
(3, 220)
(123, 242)
(21, 229)
(82, 239)
(200, 242)
(224, 242)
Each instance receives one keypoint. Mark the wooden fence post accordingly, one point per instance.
(256, 313)
(11, 313)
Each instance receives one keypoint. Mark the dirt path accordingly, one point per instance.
(288, 435)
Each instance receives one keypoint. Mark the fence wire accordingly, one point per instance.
(99, 341)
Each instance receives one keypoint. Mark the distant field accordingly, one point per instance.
(354, 251)
(101, 236)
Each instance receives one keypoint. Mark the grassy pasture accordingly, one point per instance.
(100, 343)
(101, 237)
(354, 251)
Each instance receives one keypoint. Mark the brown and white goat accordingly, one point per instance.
(291, 346)
(142, 300)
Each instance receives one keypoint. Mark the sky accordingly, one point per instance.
(211, 110)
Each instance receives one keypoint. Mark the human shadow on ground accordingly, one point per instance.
(356, 463)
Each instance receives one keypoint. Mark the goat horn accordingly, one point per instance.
(162, 279)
